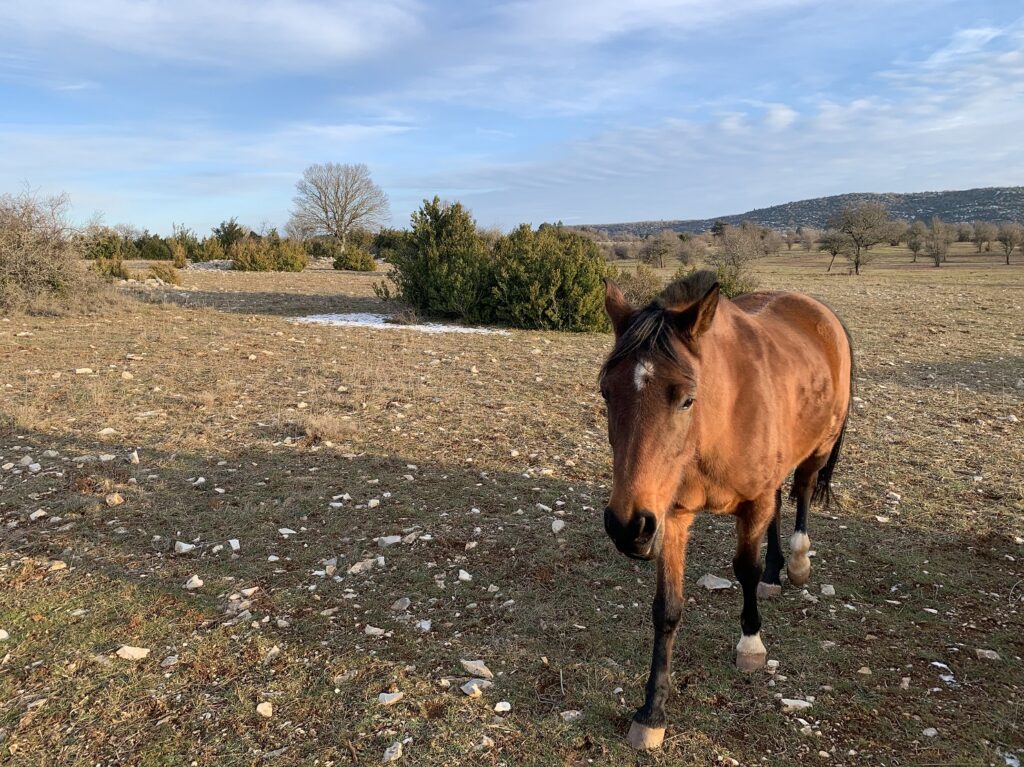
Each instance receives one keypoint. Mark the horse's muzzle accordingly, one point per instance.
(638, 538)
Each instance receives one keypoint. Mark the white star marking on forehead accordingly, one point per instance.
(643, 371)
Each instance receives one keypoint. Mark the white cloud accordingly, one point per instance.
(779, 117)
(254, 34)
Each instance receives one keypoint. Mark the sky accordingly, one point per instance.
(586, 111)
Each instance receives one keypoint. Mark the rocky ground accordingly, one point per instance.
(229, 538)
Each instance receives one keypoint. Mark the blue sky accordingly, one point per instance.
(529, 110)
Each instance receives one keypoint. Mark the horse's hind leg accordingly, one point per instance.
(771, 580)
(752, 519)
(799, 567)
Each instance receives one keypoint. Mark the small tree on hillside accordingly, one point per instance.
(835, 244)
(333, 199)
(917, 234)
(733, 259)
(1010, 236)
(809, 237)
(864, 225)
(940, 237)
(792, 238)
(659, 248)
(229, 232)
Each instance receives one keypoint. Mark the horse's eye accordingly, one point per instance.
(686, 404)
(604, 393)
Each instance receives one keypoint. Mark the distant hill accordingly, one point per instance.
(996, 203)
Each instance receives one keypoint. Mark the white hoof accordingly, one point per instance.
(799, 566)
(644, 738)
(768, 590)
(751, 654)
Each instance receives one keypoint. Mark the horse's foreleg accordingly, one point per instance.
(771, 579)
(648, 727)
(752, 519)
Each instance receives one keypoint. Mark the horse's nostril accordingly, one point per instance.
(646, 527)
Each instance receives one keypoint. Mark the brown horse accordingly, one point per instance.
(711, 404)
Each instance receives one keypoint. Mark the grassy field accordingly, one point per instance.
(469, 446)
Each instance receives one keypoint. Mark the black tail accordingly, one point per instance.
(823, 487)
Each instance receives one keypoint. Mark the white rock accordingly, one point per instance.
(424, 625)
(502, 707)
(713, 582)
(234, 544)
(400, 605)
(388, 540)
(474, 688)
(929, 732)
(37, 514)
(390, 698)
(393, 752)
(477, 668)
(193, 583)
(265, 709)
(557, 526)
(127, 652)
(180, 547)
(170, 660)
(83, 371)
(373, 503)
(25, 460)
(4, 636)
(828, 590)
(286, 531)
(133, 457)
(987, 654)
(107, 432)
(572, 715)
(35, 468)
(361, 567)
(793, 705)
(864, 670)
(464, 576)
(373, 631)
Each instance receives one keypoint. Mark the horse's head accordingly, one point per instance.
(651, 383)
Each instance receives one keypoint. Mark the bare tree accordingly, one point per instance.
(917, 235)
(940, 237)
(1010, 236)
(984, 233)
(808, 237)
(792, 238)
(332, 199)
(659, 248)
(835, 244)
(864, 225)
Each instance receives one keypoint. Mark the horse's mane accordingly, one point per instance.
(649, 331)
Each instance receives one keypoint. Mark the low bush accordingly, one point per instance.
(166, 273)
(210, 250)
(355, 259)
(322, 247)
(40, 256)
(639, 286)
(268, 254)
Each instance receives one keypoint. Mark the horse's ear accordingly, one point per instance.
(696, 319)
(618, 308)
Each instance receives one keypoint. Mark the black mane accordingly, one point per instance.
(649, 329)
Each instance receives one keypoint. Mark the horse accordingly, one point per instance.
(712, 402)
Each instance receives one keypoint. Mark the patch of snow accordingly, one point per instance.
(383, 321)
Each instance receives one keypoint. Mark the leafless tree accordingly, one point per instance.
(1010, 236)
(808, 237)
(917, 234)
(835, 244)
(984, 233)
(659, 248)
(864, 225)
(792, 238)
(332, 199)
(940, 237)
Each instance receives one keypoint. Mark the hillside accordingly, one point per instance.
(999, 203)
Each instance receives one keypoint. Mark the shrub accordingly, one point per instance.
(165, 272)
(639, 286)
(442, 268)
(211, 250)
(250, 255)
(355, 259)
(102, 242)
(112, 268)
(549, 278)
(322, 247)
(268, 254)
(738, 248)
(40, 259)
(153, 247)
(178, 254)
(288, 255)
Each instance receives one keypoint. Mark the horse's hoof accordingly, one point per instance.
(768, 590)
(644, 738)
(751, 653)
(799, 572)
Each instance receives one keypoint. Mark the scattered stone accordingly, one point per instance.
(234, 544)
(373, 503)
(401, 605)
(930, 732)
(714, 583)
(864, 670)
(794, 705)
(193, 583)
(557, 526)
(35, 468)
(828, 590)
(572, 715)
(107, 432)
(286, 531)
(424, 625)
(905, 683)
(484, 744)
(37, 514)
(57, 564)
(170, 660)
(393, 752)
(265, 709)
(127, 652)
(388, 540)
(114, 499)
(133, 458)
(373, 631)
(390, 698)
(83, 371)
(474, 688)
(987, 654)
(477, 668)
(25, 461)
(464, 576)
(4, 636)
(502, 707)
(126, 376)
(180, 547)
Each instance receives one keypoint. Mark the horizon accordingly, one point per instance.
(587, 113)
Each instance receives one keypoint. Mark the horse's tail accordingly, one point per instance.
(823, 487)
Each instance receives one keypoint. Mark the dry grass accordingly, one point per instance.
(222, 385)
